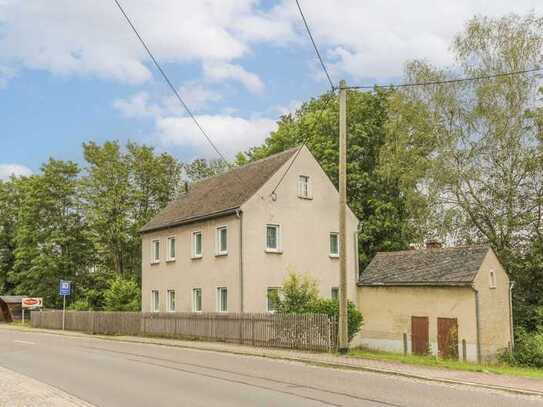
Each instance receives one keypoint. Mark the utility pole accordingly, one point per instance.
(342, 331)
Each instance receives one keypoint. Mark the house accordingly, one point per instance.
(231, 239)
(11, 308)
(455, 302)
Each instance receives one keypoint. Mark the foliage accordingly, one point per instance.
(122, 295)
(201, 168)
(377, 200)
(528, 349)
(299, 295)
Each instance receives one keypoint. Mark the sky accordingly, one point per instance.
(73, 71)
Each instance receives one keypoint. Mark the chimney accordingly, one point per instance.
(433, 244)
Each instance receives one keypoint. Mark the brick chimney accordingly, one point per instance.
(433, 244)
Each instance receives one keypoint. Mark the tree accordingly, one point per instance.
(486, 164)
(51, 235)
(377, 200)
(123, 295)
(201, 168)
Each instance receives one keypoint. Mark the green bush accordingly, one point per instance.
(122, 295)
(528, 350)
(299, 295)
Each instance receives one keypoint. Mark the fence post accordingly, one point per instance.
(404, 343)
(92, 322)
(464, 350)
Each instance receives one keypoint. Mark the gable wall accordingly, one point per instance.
(305, 228)
(495, 331)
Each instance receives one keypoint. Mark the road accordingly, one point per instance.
(111, 373)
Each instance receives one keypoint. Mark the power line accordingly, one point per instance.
(174, 90)
(447, 81)
(304, 142)
(315, 46)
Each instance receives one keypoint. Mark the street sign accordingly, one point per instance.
(32, 303)
(65, 287)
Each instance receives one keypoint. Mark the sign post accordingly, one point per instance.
(64, 290)
(31, 304)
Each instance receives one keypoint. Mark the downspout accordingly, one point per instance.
(511, 285)
(477, 317)
(239, 214)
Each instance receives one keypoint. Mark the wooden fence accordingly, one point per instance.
(295, 331)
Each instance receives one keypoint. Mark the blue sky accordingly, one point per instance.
(72, 72)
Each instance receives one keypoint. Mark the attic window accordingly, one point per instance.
(492, 279)
(304, 187)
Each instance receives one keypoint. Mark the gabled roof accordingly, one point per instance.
(446, 266)
(219, 195)
(12, 299)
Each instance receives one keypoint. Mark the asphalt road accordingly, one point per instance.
(111, 373)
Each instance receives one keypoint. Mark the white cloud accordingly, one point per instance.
(196, 96)
(86, 37)
(218, 72)
(7, 170)
(374, 38)
(229, 133)
(137, 106)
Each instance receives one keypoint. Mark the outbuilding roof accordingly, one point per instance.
(12, 299)
(219, 195)
(444, 266)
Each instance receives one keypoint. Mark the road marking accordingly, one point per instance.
(24, 342)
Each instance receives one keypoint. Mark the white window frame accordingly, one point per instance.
(154, 258)
(277, 249)
(492, 278)
(268, 298)
(193, 244)
(194, 291)
(307, 194)
(218, 251)
(219, 299)
(170, 257)
(169, 298)
(333, 255)
(155, 306)
(332, 293)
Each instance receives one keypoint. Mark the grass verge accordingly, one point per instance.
(431, 361)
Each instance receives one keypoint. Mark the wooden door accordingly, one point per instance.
(447, 338)
(419, 335)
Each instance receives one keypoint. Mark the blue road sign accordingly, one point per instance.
(65, 287)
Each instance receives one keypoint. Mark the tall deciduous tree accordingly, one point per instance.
(376, 199)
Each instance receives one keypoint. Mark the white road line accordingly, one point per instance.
(24, 342)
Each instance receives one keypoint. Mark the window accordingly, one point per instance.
(304, 186)
(492, 279)
(171, 248)
(155, 251)
(171, 300)
(272, 296)
(334, 245)
(155, 301)
(334, 293)
(272, 238)
(197, 245)
(222, 299)
(196, 299)
(222, 240)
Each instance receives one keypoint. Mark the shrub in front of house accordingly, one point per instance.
(299, 295)
(528, 349)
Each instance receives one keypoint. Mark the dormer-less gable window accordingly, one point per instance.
(492, 282)
(304, 187)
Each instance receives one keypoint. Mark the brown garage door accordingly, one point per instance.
(419, 335)
(447, 338)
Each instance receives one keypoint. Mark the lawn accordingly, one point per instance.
(448, 364)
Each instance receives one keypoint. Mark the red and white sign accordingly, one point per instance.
(32, 302)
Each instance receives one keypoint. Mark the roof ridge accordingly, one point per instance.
(450, 248)
(251, 163)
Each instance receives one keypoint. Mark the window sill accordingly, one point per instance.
(273, 251)
(196, 257)
(154, 263)
(221, 254)
(309, 198)
(334, 256)
(170, 261)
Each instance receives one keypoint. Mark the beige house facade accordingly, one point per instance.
(231, 239)
(452, 302)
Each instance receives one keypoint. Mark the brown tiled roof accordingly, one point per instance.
(446, 266)
(219, 195)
